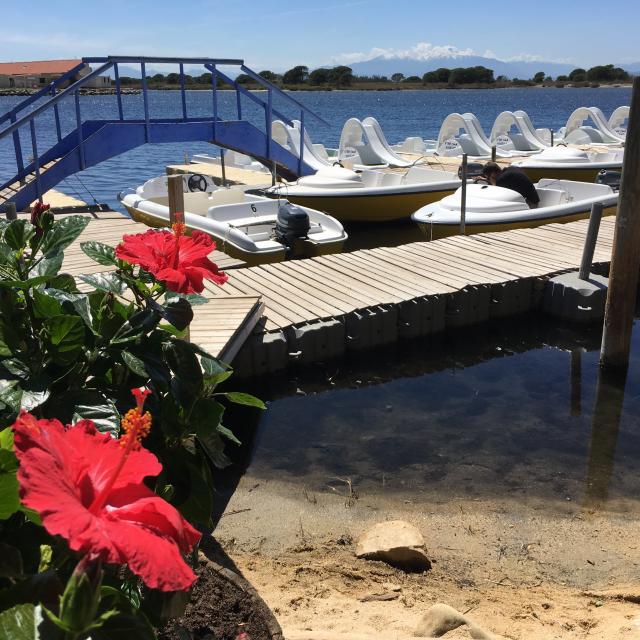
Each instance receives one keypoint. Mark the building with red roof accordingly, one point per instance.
(39, 73)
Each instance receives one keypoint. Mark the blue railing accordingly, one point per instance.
(76, 142)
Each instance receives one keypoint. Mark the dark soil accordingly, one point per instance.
(222, 606)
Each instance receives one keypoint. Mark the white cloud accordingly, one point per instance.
(429, 51)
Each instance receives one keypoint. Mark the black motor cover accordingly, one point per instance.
(474, 170)
(292, 223)
(611, 178)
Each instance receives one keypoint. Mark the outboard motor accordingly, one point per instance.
(292, 224)
(474, 170)
(610, 178)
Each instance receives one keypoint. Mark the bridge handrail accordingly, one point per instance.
(49, 88)
(269, 85)
(54, 100)
(159, 60)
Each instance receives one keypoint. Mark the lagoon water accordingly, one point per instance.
(516, 409)
(401, 114)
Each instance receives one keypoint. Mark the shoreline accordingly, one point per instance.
(135, 89)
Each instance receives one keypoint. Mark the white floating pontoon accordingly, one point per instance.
(577, 132)
(524, 140)
(463, 133)
(619, 120)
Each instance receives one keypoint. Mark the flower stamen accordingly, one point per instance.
(136, 424)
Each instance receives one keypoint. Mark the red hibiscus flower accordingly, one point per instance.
(179, 261)
(88, 488)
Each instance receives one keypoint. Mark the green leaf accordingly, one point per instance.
(10, 394)
(66, 335)
(45, 305)
(110, 282)
(243, 398)
(93, 405)
(178, 312)
(78, 301)
(192, 298)
(6, 439)
(63, 233)
(139, 323)
(21, 622)
(25, 284)
(18, 233)
(63, 282)
(9, 496)
(188, 381)
(135, 364)
(99, 252)
(5, 351)
(47, 266)
(228, 434)
(213, 446)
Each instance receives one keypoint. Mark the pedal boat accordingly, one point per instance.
(568, 163)
(490, 208)
(368, 195)
(246, 226)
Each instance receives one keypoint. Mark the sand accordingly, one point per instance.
(520, 569)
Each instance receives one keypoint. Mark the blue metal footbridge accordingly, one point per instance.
(52, 158)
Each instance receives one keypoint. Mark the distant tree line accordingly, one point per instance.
(341, 77)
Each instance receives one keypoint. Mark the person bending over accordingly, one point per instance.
(514, 179)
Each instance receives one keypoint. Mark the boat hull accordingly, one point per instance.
(301, 249)
(369, 208)
(434, 231)
(586, 174)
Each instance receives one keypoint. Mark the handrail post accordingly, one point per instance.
(36, 160)
(239, 102)
(214, 87)
(79, 130)
(300, 156)
(269, 116)
(463, 195)
(116, 73)
(17, 146)
(56, 115)
(183, 95)
(145, 100)
(590, 242)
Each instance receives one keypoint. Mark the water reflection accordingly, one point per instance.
(503, 410)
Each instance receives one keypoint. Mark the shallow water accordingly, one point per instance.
(401, 114)
(508, 410)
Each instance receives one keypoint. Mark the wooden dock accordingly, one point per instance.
(319, 307)
(219, 328)
(311, 310)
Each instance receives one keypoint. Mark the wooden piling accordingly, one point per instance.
(463, 194)
(176, 199)
(625, 261)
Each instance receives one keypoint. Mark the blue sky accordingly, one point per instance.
(278, 35)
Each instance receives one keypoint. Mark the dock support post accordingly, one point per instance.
(551, 137)
(590, 242)
(176, 199)
(493, 153)
(10, 211)
(223, 168)
(625, 259)
(463, 195)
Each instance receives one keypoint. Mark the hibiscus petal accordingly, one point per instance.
(155, 559)
(197, 245)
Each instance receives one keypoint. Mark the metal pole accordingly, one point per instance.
(552, 137)
(224, 172)
(590, 242)
(493, 153)
(463, 194)
(625, 261)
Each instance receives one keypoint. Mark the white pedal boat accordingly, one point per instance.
(369, 195)
(249, 227)
(490, 208)
(568, 163)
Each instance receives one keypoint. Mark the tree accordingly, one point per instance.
(412, 79)
(607, 73)
(562, 78)
(158, 77)
(297, 75)
(243, 78)
(439, 75)
(341, 76)
(173, 78)
(471, 75)
(578, 75)
(319, 77)
(397, 77)
(269, 76)
(539, 77)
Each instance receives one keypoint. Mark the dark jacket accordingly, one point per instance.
(513, 178)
